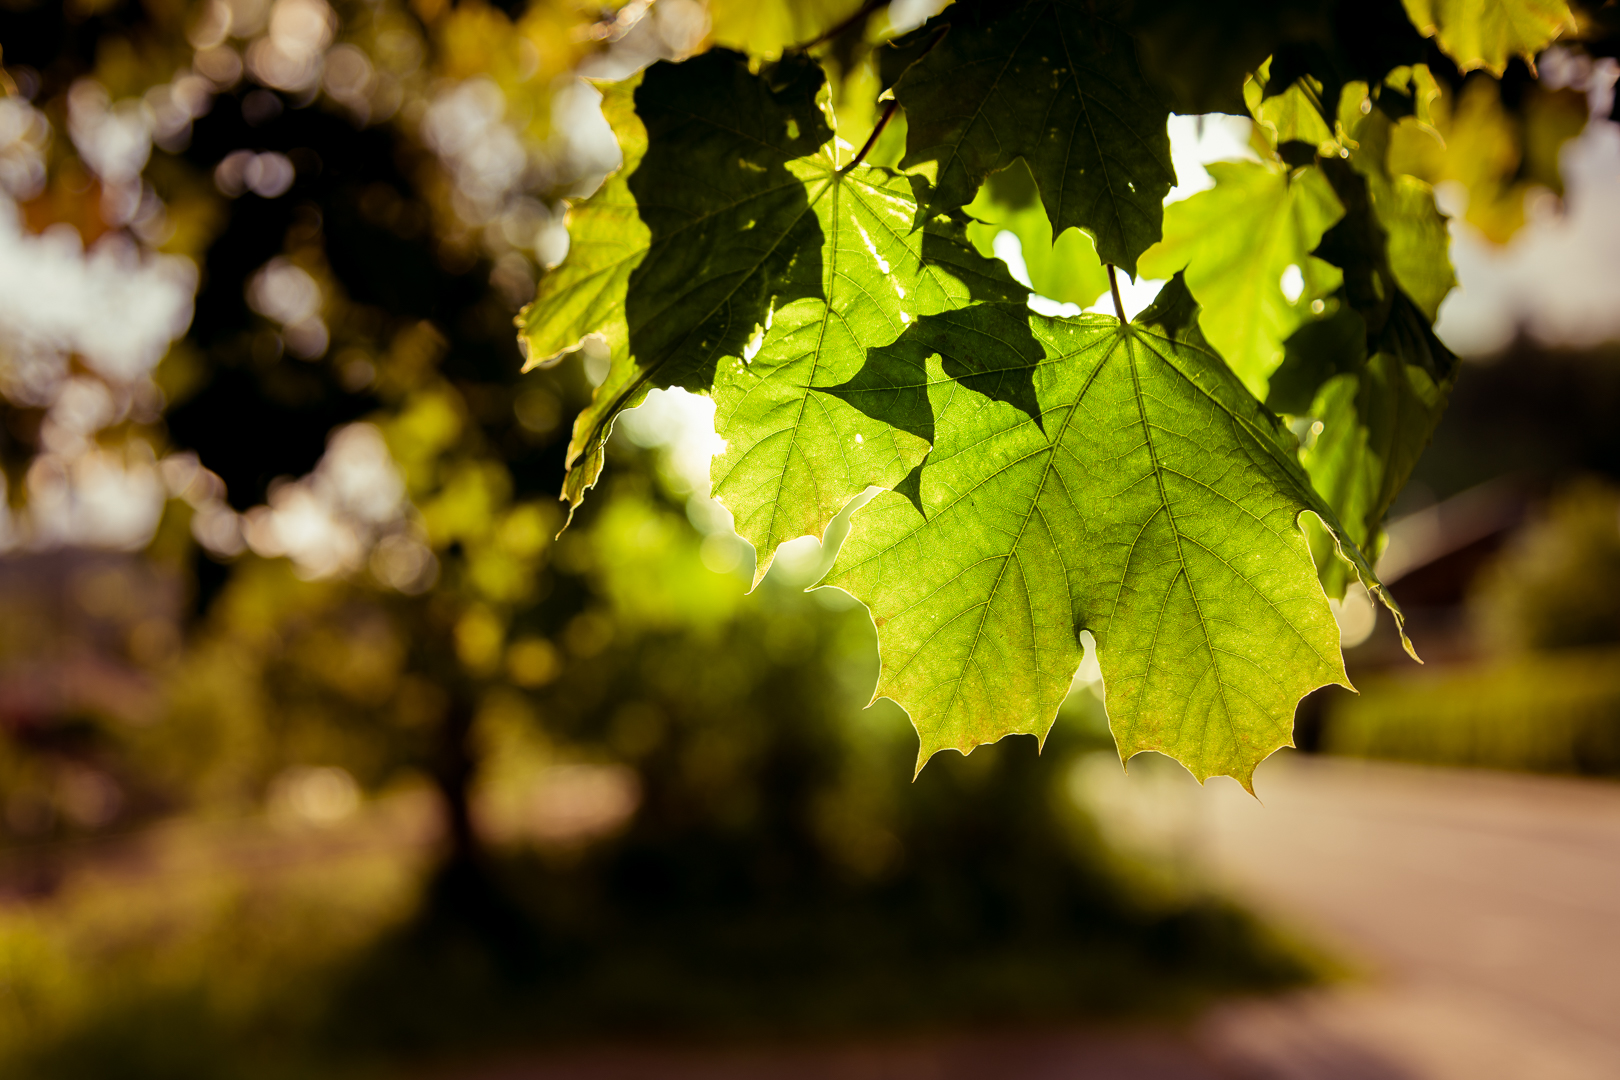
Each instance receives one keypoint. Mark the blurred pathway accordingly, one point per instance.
(1484, 906)
(1483, 911)
(1052, 1056)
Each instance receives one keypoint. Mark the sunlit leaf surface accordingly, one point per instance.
(606, 241)
(1246, 245)
(1067, 271)
(1488, 33)
(1039, 477)
(768, 27)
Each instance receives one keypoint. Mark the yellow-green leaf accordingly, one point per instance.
(795, 455)
(1245, 245)
(1055, 84)
(1488, 33)
(1067, 271)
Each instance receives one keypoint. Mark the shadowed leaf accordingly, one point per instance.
(1053, 84)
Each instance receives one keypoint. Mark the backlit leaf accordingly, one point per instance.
(1147, 497)
(1293, 115)
(606, 241)
(1376, 422)
(1245, 245)
(725, 231)
(1380, 376)
(1418, 245)
(768, 27)
(1488, 33)
(1040, 477)
(1068, 271)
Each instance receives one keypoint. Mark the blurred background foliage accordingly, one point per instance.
(319, 749)
(1540, 687)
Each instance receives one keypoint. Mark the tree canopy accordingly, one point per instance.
(800, 232)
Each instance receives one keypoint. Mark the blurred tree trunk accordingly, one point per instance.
(448, 756)
(453, 770)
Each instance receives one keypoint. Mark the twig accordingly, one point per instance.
(1113, 287)
(871, 140)
(865, 11)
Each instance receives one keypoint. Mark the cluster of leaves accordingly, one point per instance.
(1162, 483)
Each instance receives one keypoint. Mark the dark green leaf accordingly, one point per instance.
(1059, 87)
(727, 229)
(1200, 51)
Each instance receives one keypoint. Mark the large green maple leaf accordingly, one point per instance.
(1488, 33)
(1091, 475)
(1058, 86)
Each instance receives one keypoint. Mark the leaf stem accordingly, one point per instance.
(871, 140)
(1113, 287)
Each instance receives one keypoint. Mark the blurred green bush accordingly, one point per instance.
(1545, 712)
(779, 872)
(1543, 691)
(254, 849)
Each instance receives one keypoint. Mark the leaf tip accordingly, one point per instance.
(762, 564)
(924, 754)
(1381, 591)
(568, 519)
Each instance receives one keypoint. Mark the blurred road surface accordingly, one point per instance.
(1481, 909)
(1485, 908)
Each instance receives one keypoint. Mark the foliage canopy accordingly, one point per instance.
(1145, 481)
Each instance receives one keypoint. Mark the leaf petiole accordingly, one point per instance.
(861, 14)
(1113, 287)
(871, 140)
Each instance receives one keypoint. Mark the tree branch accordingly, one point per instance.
(863, 12)
(871, 140)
